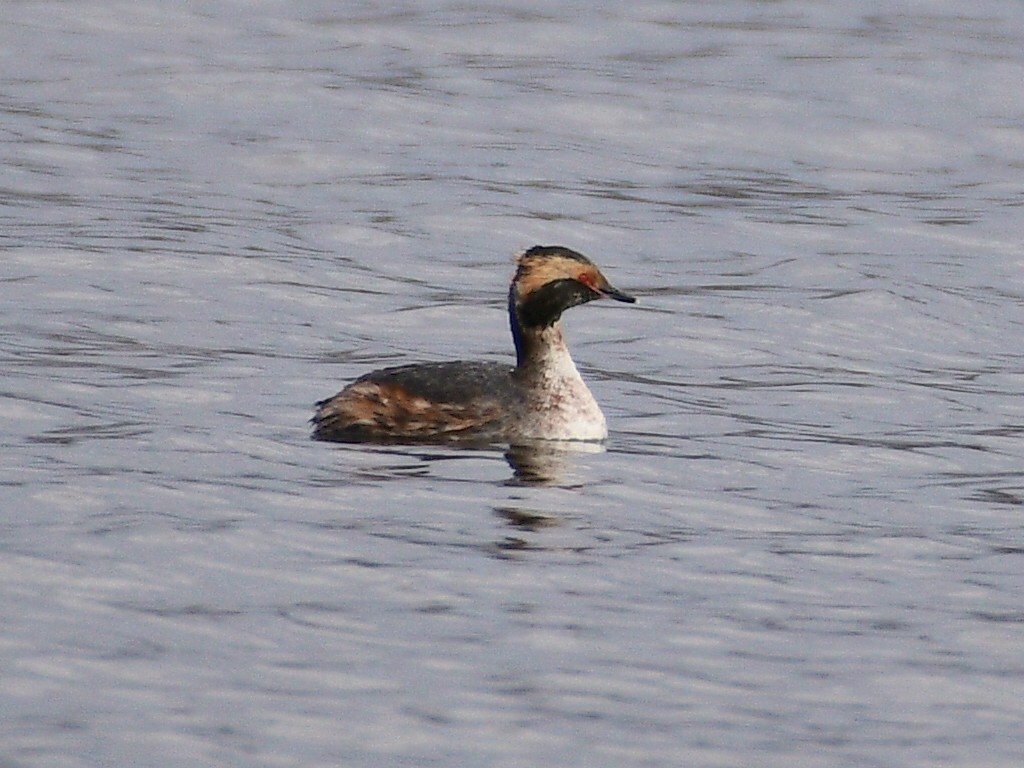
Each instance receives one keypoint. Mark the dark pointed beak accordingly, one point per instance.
(615, 293)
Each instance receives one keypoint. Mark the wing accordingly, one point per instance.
(435, 401)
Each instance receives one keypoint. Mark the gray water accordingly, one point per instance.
(802, 544)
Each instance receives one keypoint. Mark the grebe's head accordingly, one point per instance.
(550, 279)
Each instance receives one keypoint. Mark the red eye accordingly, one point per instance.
(587, 280)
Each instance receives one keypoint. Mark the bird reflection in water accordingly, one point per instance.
(546, 462)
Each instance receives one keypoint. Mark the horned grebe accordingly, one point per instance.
(543, 397)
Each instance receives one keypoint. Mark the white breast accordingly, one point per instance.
(559, 404)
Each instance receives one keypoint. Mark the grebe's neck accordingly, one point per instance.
(543, 351)
(537, 346)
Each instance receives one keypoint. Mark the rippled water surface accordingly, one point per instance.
(803, 542)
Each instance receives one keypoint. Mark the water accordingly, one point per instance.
(802, 544)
